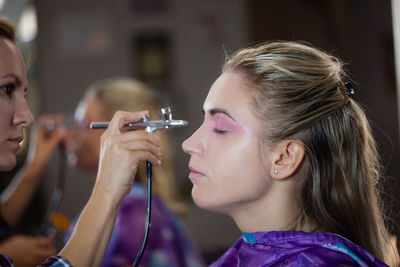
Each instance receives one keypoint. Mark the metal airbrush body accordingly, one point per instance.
(149, 126)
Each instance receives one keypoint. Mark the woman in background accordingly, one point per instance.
(168, 243)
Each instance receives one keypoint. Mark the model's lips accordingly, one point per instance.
(194, 173)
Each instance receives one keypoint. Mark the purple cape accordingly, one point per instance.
(293, 248)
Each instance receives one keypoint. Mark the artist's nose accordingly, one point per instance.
(23, 115)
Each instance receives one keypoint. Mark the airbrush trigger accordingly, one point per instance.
(145, 118)
(166, 116)
(166, 113)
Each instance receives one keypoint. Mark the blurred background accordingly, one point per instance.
(178, 46)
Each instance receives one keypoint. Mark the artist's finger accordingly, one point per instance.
(120, 118)
(143, 145)
(139, 134)
(49, 122)
(146, 156)
(54, 117)
(44, 241)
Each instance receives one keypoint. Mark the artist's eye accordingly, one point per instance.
(8, 88)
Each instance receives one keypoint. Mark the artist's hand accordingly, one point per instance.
(47, 135)
(120, 154)
(28, 251)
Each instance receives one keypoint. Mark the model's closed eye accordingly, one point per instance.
(223, 124)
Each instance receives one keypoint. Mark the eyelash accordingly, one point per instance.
(219, 131)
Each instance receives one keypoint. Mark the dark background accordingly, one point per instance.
(80, 41)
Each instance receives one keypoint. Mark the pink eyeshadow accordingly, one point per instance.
(223, 123)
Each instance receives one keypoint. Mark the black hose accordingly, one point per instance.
(148, 216)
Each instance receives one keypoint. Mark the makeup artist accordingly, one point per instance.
(120, 155)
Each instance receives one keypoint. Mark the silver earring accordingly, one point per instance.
(276, 171)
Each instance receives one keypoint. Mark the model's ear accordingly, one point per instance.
(287, 156)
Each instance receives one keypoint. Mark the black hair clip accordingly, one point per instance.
(350, 90)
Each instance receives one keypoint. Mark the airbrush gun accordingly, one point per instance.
(149, 126)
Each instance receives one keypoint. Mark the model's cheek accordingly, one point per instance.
(242, 149)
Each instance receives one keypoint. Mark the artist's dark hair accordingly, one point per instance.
(7, 30)
(298, 92)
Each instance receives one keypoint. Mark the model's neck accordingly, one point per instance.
(276, 211)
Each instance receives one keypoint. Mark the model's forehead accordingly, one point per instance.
(228, 93)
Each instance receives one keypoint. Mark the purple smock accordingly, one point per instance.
(169, 244)
(295, 248)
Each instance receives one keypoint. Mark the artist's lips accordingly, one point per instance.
(194, 173)
(16, 141)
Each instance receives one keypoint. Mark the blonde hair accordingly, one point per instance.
(298, 92)
(131, 95)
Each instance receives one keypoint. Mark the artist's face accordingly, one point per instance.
(83, 144)
(14, 110)
(226, 163)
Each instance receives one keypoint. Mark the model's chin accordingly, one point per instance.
(198, 199)
(210, 202)
(204, 200)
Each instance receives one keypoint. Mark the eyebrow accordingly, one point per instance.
(17, 80)
(214, 111)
